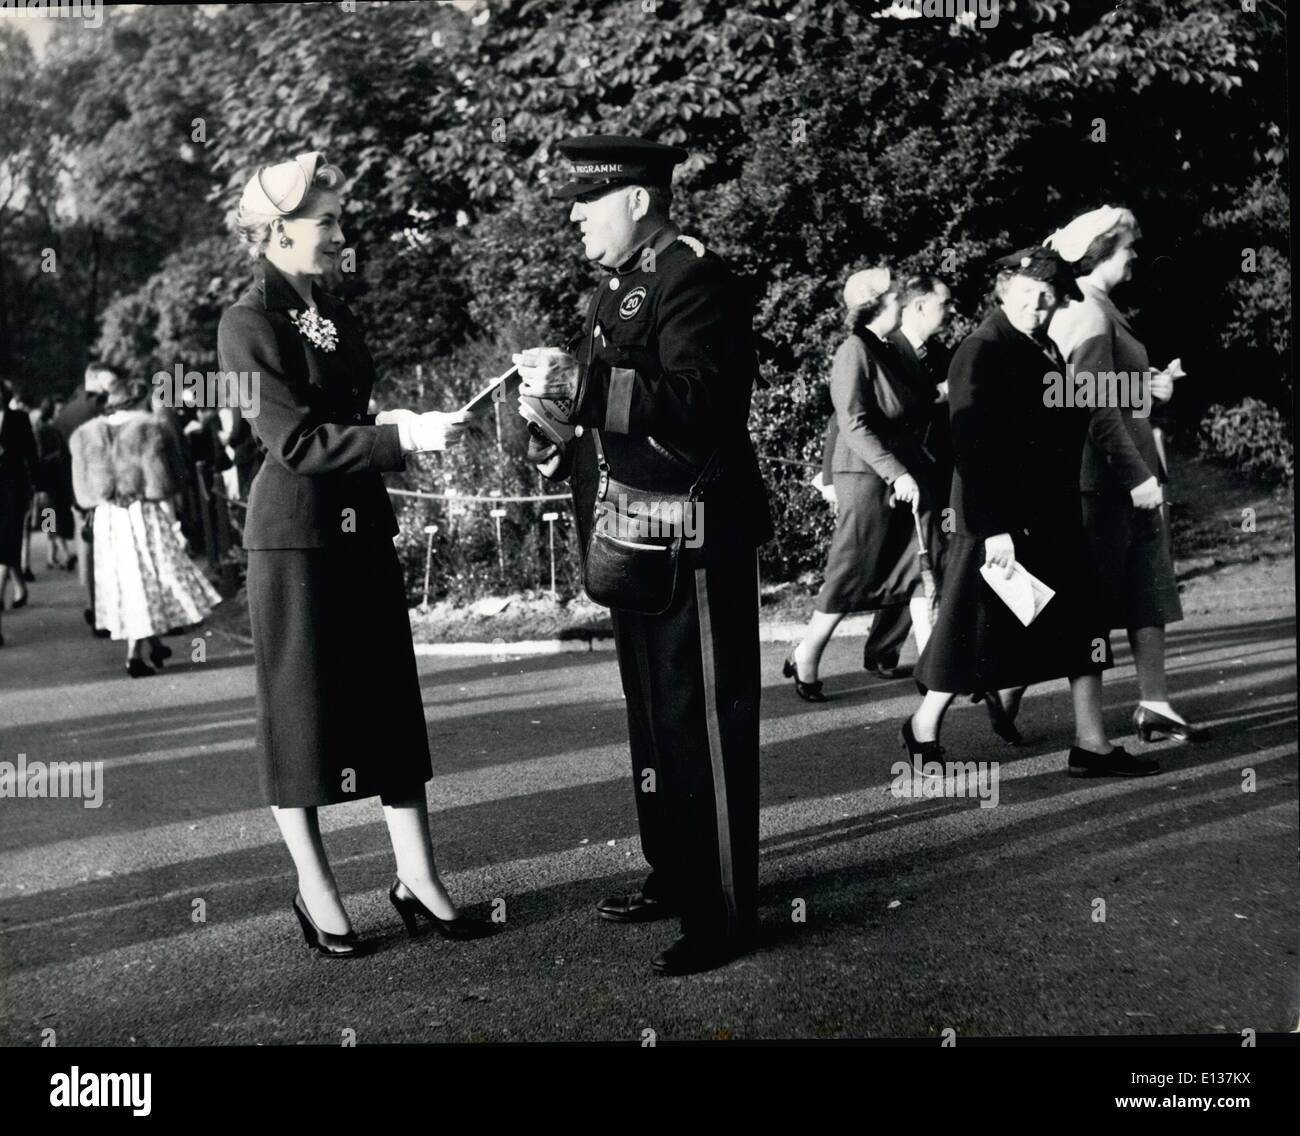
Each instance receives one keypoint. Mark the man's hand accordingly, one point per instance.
(906, 489)
(547, 372)
(1000, 550)
(941, 392)
(827, 491)
(1147, 495)
(543, 453)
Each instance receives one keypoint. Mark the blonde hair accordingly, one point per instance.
(254, 227)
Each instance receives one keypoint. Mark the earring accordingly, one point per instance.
(285, 242)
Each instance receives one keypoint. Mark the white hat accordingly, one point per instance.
(1073, 241)
(280, 189)
(865, 287)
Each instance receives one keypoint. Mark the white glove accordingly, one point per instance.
(420, 432)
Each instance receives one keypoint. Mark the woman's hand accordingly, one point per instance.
(827, 491)
(906, 490)
(1162, 386)
(1147, 495)
(1000, 550)
(422, 432)
(547, 372)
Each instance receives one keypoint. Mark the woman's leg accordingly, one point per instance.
(1148, 645)
(1089, 729)
(4, 579)
(408, 829)
(320, 892)
(927, 720)
(808, 653)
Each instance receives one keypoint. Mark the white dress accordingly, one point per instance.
(145, 581)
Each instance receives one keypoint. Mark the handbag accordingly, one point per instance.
(636, 541)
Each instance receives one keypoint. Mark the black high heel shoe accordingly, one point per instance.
(158, 652)
(1151, 724)
(138, 668)
(808, 691)
(408, 905)
(324, 942)
(1002, 722)
(920, 753)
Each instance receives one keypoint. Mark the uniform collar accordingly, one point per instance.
(657, 241)
(279, 295)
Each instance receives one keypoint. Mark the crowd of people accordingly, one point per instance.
(1005, 475)
(946, 480)
(117, 482)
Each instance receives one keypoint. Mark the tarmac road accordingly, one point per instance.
(921, 914)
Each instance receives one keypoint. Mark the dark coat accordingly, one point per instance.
(1095, 337)
(17, 481)
(882, 413)
(324, 454)
(1017, 473)
(668, 369)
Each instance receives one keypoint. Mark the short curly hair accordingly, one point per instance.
(254, 228)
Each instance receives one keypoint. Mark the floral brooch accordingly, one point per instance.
(316, 328)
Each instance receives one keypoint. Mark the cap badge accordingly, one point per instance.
(631, 303)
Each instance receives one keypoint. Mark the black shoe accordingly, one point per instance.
(920, 753)
(71, 565)
(692, 954)
(89, 616)
(20, 603)
(1002, 722)
(324, 942)
(1117, 763)
(1152, 724)
(635, 908)
(138, 668)
(29, 576)
(808, 691)
(886, 671)
(409, 907)
(158, 652)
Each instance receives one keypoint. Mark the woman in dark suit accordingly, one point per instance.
(1123, 474)
(340, 714)
(881, 474)
(17, 482)
(1015, 499)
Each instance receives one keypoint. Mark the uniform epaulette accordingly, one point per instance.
(696, 246)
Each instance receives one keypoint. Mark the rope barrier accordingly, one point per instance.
(454, 497)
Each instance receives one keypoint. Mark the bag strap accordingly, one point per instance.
(602, 464)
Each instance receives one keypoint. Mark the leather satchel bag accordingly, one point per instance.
(636, 541)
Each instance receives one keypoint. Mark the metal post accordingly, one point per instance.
(550, 519)
(428, 559)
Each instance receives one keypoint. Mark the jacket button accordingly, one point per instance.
(355, 391)
(613, 284)
(356, 418)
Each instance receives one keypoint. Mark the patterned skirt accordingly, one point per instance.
(145, 582)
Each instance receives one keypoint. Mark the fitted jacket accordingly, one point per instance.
(129, 455)
(1095, 336)
(320, 484)
(667, 371)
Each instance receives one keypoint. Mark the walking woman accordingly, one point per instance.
(1123, 475)
(17, 479)
(340, 714)
(1016, 500)
(882, 473)
(127, 466)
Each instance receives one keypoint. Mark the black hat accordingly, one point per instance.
(1039, 262)
(601, 161)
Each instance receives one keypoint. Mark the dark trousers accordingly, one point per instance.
(691, 678)
(888, 633)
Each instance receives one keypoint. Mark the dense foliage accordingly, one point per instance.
(824, 136)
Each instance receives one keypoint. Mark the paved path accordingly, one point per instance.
(921, 914)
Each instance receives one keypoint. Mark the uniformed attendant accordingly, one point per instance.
(660, 384)
(339, 710)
